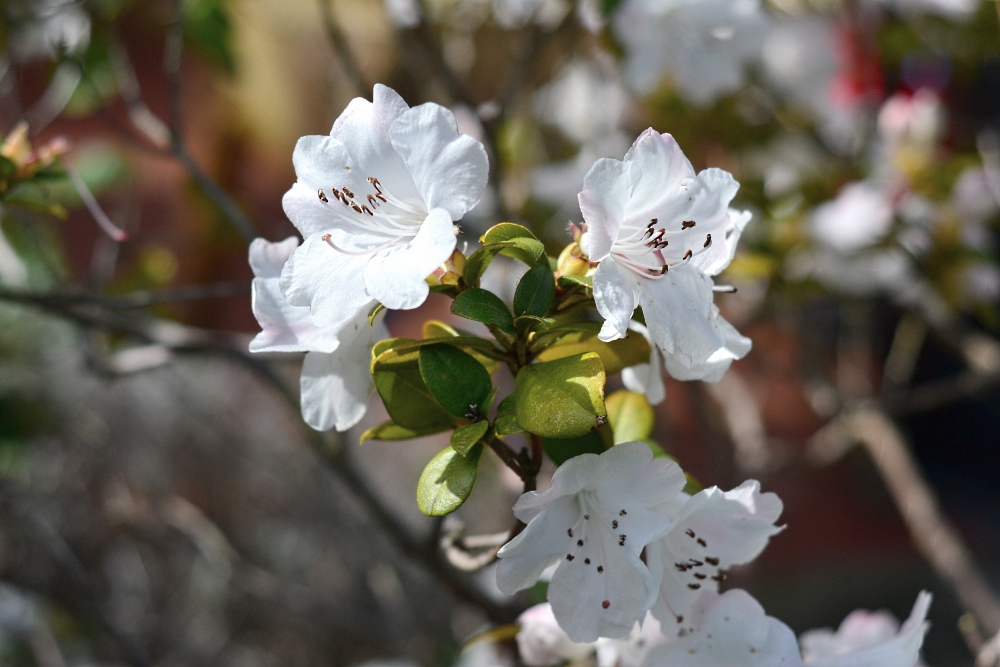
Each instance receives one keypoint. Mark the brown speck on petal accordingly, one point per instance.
(606, 604)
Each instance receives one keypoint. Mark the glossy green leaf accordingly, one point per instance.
(483, 306)
(631, 416)
(566, 282)
(464, 437)
(389, 344)
(535, 292)
(506, 421)
(390, 430)
(397, 378)
(561, 450)
(456, 380)
(376, 309)
(506, 231)
(447, 481)
(616, 355)
(562, 398)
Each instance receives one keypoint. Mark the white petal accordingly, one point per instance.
(866, 639)
(646, 378)
(712, 369)
(606, 189)
(330, 283)
(614, 295)
(396, 277)
(336, 387)
(680, 315)
(539, 545)
(732, 630)
(712, 532)
(449, 169)
(724, 245)
(364, 129)
(541, 642)
(267, 259)
(659, 160)
(284, 327)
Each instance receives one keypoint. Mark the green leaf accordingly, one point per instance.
(447, 481)
(464, 437)
(389, 344)
(456, 380)
(566, 282)
(475, 265)
(562, 398)
(397, 378)
(483, 306)
(561, 450)
(376, 309)
(390, 430)
(208, 29)
(535, 292)
(506, 231)
(506, 421)
(527, 250)
(631, 416)
(582, 337)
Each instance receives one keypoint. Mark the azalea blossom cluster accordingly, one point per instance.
(634, 561)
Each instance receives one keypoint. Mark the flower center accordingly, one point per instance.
(648, 250)
(378, 211)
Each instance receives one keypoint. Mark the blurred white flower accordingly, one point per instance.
(594, 522)
(703, 45)
(869, 639)
(376, 203)
(858, 217)
(46, 28)
(660, 232)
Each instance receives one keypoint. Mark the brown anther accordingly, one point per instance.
(325, 237)
(606, 604)
(694, 587)
(720, 577)
(614, 524)
(364, 207)
(569, 556)
(600, 568)
(695, 563)
(689, 532)
(681, 567)
(652, 222)
(702, 542)
(586, 561)
(711, 561)
(688, 224)
(708, 240)
(664, 269)
(621, 540)
(688, 255)
(322, 196)
(586, 517)
(680, 619)
(569, 531)
(375, 184)
(380, 197)
(347, 192)
(356, 207)
(373, 201)
(336, 194)
(579, 543)
(699, 575)
(622, 513)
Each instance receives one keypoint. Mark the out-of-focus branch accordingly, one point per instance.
(168, 138)
(342, 48)
(83, 598)
(183, 339)
(918, 505)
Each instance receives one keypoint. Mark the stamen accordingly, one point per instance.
(687, 255)
(708, 240)
(688, 224)
(322, 196)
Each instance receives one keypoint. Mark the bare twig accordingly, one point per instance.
(342, 48)
(933, 535)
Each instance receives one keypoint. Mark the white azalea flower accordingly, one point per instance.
(376, 201)
(712, 531)
(704, 45)
(730, 629)
(869, 639)
(858, 217)
(594, 521)
(660, 232)
(542, 643)
(335, 380)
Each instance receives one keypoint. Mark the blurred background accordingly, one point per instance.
(161, 501)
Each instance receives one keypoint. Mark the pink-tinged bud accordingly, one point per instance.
(571, 261)
(449, 272)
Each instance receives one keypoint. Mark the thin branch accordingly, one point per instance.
(918, 505)
(342, 48)
(185, 339)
